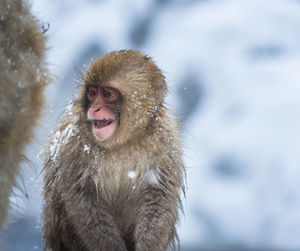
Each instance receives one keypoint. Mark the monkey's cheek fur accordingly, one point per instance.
(103, 132)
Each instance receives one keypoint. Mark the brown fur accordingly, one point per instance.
(91, 203)
(23, 78)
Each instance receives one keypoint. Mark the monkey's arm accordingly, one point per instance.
(93, 221)
(158, 213)
(76, 220)
(53, 230)
(56, 234)
(155, 224)
(77, 223)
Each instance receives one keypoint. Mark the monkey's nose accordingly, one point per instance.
(98, 109)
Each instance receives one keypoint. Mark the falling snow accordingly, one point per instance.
(223, 50)
(131, 174)
(152, 177)
(86, 148)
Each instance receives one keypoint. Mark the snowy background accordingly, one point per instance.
(233, 70)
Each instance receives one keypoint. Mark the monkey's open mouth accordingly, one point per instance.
(102, 123)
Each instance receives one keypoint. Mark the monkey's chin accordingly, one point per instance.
(104, 133)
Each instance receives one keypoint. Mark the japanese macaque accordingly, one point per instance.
(23, 77)
(113, 167)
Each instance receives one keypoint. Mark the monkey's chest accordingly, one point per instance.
(116, 184)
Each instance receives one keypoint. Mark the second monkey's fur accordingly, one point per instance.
(124, 193)
(23, 77)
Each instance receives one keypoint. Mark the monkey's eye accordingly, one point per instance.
(110, 93)
(91, 93)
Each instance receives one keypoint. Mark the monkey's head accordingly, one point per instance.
(121, 96)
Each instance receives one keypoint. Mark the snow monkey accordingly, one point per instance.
(23, 78)
(113, 166)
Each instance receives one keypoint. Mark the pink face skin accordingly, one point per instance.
(101, 113)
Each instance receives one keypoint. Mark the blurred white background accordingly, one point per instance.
(233, 70)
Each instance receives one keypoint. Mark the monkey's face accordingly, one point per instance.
(121, 95)
(103, 111)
